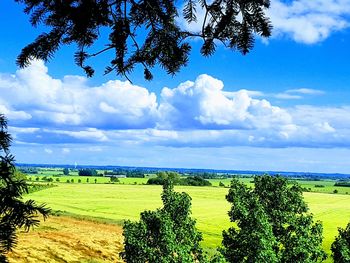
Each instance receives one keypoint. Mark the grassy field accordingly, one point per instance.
(118, 202)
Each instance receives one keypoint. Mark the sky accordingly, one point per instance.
(283, 107)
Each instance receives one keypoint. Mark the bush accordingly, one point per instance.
(65, 171)
(319, 186)
(335, 191)
(221, 184)
(114, 179)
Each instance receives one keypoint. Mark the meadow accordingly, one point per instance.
(115, 203)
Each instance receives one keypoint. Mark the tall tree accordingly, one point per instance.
(166, 235)
(14, 213)
(273, 224)
(144, 32)
(341, 246)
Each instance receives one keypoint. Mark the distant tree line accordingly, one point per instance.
(28, 170)
(87, 172)
(176, 179)
(128, 173)
(343, 184)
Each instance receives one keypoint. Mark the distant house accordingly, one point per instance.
(115, 175)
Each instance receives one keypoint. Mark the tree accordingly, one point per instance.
(14, 212)
(142, 32)
(167, 235)
(341, 246)
(66, 171)
(87, 172)
(272, 224)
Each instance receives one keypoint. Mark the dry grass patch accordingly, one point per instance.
(66, 239)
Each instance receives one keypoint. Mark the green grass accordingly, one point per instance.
(119, 202)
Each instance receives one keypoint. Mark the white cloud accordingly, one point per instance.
(47, 111)
(286, 96)
(309, 21)
(71, 102)
(65, 150)
(306, 91)
(204, 104)
(48, 151)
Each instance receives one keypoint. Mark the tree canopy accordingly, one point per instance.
(168, 234)
(14, 212)
(273, 224)
(142, 32)
(341, 246)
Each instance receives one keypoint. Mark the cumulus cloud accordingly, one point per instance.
(308, 21)
(71, 102)
(204, 104)
(201, 113)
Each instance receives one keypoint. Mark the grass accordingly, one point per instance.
(119, 202)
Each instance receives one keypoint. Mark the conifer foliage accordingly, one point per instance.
(14, 212)
(142, 32)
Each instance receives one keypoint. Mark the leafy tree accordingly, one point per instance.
(272, 224)
(165, 235)
(87, 172)
(14, 212)
(66, 171)
(195, 181)
(341, 246)
(142, 32)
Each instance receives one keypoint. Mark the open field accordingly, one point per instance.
(64, 239)
(117, 202)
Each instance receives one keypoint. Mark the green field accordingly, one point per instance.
(118, 202)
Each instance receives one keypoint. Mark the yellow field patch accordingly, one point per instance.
(65, 239)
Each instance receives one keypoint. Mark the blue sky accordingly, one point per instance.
(285, 106)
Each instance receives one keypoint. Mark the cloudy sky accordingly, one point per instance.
(284, 107)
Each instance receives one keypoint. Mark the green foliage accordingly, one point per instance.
(114, 179)
(144, 33)
(195, 181)
(341, 246)
(335, 191)
(162, 177)
(272, 224)
(14, 213)
(87, 172)
(343, 183)
(65, 171)
(166, 235)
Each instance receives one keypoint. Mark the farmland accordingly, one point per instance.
(114, 203)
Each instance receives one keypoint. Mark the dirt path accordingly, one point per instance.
(65, 239)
